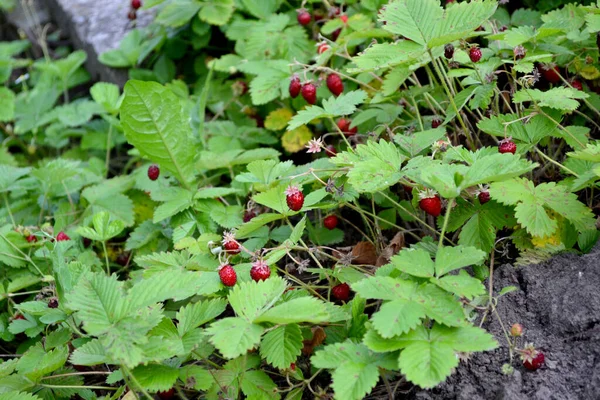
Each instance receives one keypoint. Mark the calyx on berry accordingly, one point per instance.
(533, 359)
(294, 198)
(260, 271)
(430, 202)
(230, 245)
(507, 146)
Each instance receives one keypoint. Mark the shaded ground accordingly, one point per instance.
(558, 304)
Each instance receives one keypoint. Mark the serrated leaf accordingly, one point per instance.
(303, 309)
(462, 285)
(281, 346)
(560, 98)
(196, 314)
(448, 259)
(233, 337)
(250, 299)
(416, 262)
(156, 377)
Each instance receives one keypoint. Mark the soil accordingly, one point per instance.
(558, 304)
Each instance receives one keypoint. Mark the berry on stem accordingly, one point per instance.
(449, 51)
(430, 202)
(331, 151)
(61, 237)
(330, 222)
(344, 125)
(31, 239)
(230, 245)
(53, 302)
(335, 84)
(136, 4)
(341, 291)
(153, 172)
(309, 93)
(260, 271)
(248, 215)
(550, 72)
(516, 330)
(227, 275)
(295, 86)
(323, 47)
(576, 83)
(532, 359)
(294, 198)
(304, 17)
(436, 122)
(475, 54)
(507, 146)
(344, 18)
(483, 196)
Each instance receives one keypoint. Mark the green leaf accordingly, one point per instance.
(36, 363)
(156, 377)
(344, 104)
(250, 299)
(154, 122)
(7, 105)
(178, 13)
(560, 98)
(91, 353)
(233, 337)
(104, 229)
(258, 385)
(303, 309)
(496, 167)
(196, 377)
(107, 95)
(261, 8)
(15, 395)
(281, 346)
(196, 314)
(449, 259)
(416, 262)
(298, 231)
(216, 12)
(462, 285)
(397, 317)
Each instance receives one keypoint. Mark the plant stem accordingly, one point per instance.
(559, 165)
(8, 209)
(106, 258)
(446, 219)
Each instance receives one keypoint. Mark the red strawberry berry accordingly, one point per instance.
(132, 15)
(436, 122)
(330, 222)
(230, 245)
(532, 359)
(295, 87)
(293, 366)
(516, 330)
(344, 125)
(294, 198)
(260, 271)
(335, 34)
(344, 19)
(577, 84)
(309, 93)
(331, 151)
(550, 72)
(167, 395)
(248, 215)
(18, 316)
(483, 196)
(323, 47)
(341, 291)
(153, 172)
(304, 18)
(136, 4)
(507, 146)
(335, 84)
(430, 203)
(53, 302)
(31, 239)
(61, 237)
(475, 54)
(449, 51)
(227, 275)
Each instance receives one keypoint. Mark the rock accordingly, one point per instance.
(95, 27)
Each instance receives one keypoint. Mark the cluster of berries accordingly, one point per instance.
(133, 7)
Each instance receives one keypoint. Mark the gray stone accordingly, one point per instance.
(96, 26)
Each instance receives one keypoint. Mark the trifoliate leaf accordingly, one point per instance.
(281, 346)
(233, 337)
(560, 98)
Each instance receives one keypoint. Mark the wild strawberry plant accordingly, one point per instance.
(315, 211)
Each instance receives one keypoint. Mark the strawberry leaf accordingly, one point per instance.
(281, 346)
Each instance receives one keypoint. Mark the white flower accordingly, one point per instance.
(314, 145)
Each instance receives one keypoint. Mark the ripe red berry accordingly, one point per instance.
(550, 72)
(323, 47)
(330, 151)
(507, 146)
(436, 122)
(344, 18)
(153, 172)
(248, 215)
(335, 84)
(516, 330)
(62, 237)
(431, 204)
(227, 275)
(535, 361)
(341, 291)
(344, 125)
(483, 196)
(230, 245)
(260, 271)
(330, 222)
(293, 366)
(335, 34)
(475, 54)
(577, 84)
(309, 93)
(295, 87)
(31, 239)
(294, 198)
(53, 302)
(132, 15)
(304, 18)
(136, 4)
(167, 395)
(18, 316)
(449, 51)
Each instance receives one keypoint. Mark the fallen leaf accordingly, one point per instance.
(318, 338)
(396, 244)
(364, 253)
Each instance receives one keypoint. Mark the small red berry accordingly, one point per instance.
(335, 34)
(293, 366)
(550, 72)
(295, 87)
(167, 395)
(577, 84)
(430, 203)
(344, 19)
(304, 18)
(323, 47)
(61, 237)
(449, 51)
(248, 215)
(153, 172)
(507, 146)
(230, 245)
(309, 93)
(335, 84)
(330, 222)
(331, 151)
(227, 275)
(483, 196)
(31, 239)
(294, 198)
(132, 15)
(344, 125)
(136, 4)
(18, 316)
(475, 54)
(53, 302)
(535, 361)
(260, 271)
(516, 330)
(436, 122)
(341, 291)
